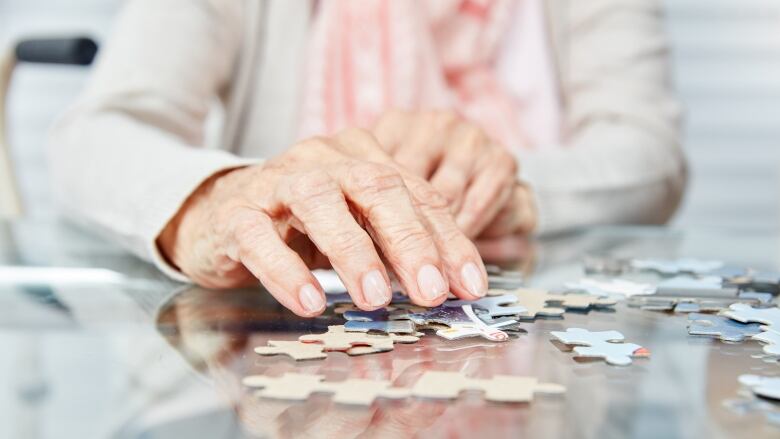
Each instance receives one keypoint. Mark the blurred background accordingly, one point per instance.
(726, 57)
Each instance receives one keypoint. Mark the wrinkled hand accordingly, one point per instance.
(339, 200)
(476, 175)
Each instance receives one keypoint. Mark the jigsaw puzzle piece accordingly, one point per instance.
(710, 286)
(501, 388)
(772, 340)
(601, 345)
(494, 306)
(722, 327)
(477, 328)
(295, 349)
(338, 339)
(767, 387)
(299, 387)
(769, 317)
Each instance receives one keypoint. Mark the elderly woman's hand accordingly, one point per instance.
(339, 200)
(476, 175)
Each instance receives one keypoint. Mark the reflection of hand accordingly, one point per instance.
(477, 176)
(340, 196)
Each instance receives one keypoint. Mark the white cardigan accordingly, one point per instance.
(132, 149)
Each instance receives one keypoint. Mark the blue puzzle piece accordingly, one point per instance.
(722, 327)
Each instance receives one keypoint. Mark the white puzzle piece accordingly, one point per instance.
(601, 345)
(769, 317)
(295, 386)
(772, 340)
(768, 387)
(501, 388)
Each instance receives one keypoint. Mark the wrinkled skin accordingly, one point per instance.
(338, 201)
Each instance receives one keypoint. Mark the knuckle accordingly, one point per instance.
(426, 196)
(374, 178)
(312, 184)
(348, 243)
(316, 145)
(410, 239)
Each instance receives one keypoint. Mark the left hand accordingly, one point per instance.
(475, 174)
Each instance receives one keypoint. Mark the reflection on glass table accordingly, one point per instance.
(142, 356)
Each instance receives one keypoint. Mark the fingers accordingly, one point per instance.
(462, 263)
(454, 173)
(517, 217)
(380, 195)
(487, 193)
(416, 141)
(317, 202)
(256, 244)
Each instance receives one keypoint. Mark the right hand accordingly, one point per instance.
(341, 200)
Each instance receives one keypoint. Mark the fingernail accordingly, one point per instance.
(431, 282)
(472, 279)
(311, 299)
(376, 291)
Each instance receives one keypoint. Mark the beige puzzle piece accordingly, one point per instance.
(338, 339)
(432, 384)
(538, 302)
(295, 349)
(294, 386)
(501, 388)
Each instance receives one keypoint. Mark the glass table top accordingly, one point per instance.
(98, 344)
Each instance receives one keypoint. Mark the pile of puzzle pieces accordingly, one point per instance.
(492, 317)
(686, 285)
(739, 300)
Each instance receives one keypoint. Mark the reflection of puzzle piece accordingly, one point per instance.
(772, 340)
(294, 386)
(768, 387)
(493, 305)
(720, 326)
(295, 349)
(609, 287)
(770, 317)
(387, 326)
(676, 266)
(501, 388)
(337, 339)
(598, 345)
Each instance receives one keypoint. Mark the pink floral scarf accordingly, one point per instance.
(367, 56)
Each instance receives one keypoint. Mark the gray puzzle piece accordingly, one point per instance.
(494, 306)
(387, 326)
(344, 298)
(682, 286)
(721, 327)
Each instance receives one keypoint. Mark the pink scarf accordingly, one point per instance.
(367, 56)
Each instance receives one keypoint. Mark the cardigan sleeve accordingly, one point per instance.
(621, 161)
(126, 156)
